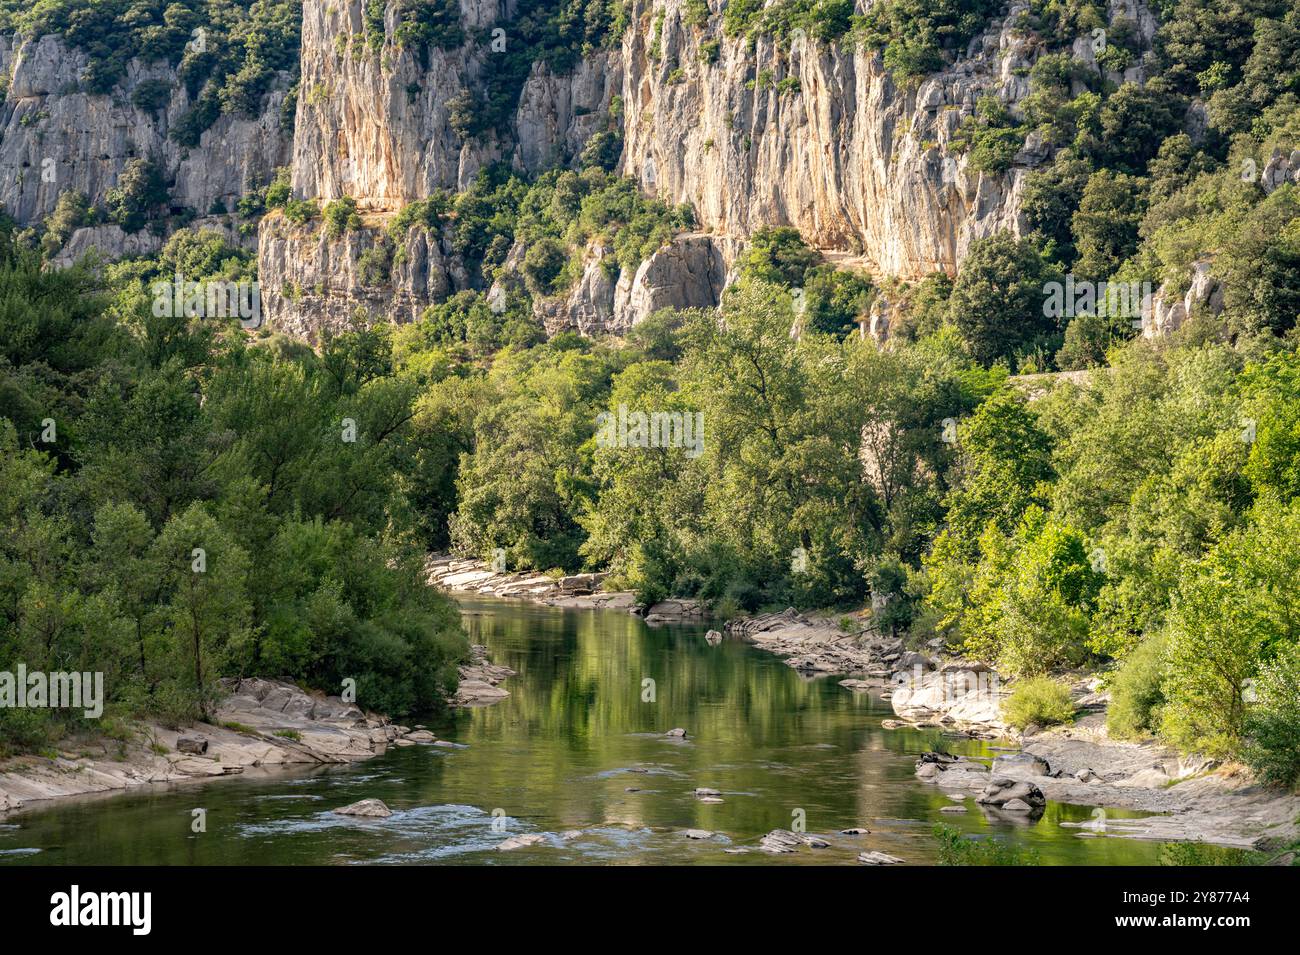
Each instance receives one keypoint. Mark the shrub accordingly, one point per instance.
(1137, 692)
(1040, 700)
(956, 849)
(279, 193)
(341, 216)
(543, 266)
(1236, 611)
(300, 210)
(779, 255)
(1272, 728)
(140, 193)
(152, 95)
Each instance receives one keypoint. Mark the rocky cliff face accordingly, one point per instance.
(848, 156)
(313, 283)
(54, 138)
(377, 124)
(817, 136)
(688, 272)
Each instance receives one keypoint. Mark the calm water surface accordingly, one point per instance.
(565, 752)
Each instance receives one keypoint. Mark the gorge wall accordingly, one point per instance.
(56, 138)
(845, 154)
(813, 135)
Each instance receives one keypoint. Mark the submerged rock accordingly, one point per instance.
(519, 842)
(878, 858)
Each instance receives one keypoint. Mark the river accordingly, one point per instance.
(580, 745)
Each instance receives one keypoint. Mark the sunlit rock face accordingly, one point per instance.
(377, 125)
(813, 135)
(821, 138)
(55, 138)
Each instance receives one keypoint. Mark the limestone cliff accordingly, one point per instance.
(749, 134)
(376, 124)
(820, 137)
(312, 282)
(56, 138)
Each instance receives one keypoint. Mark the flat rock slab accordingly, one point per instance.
(519, 842)
(878, 858)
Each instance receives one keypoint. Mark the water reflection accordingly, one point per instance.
(577, 755)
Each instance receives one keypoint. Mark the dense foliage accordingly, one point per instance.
(181, 506)
(1141, 517)
(227, 54)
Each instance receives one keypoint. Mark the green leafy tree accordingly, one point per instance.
(997, 300)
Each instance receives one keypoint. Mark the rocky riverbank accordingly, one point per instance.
(578, 591)
(259, 725)
(480, 680)
(1190, 798)
(925, 689)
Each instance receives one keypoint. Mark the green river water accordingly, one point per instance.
(561, 754)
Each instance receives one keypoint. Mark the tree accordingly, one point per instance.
(206, 613)
(1051, 197)
(1236, 609)
(1004, 464)
(780, 256)
(140, 193)
(1106, 223)
(997, 301)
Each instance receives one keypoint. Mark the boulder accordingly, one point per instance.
(688, 272)
(911, 659)
(1021, 764)
(780, 841)
(966, 694)
(195, 745)
(878, 858)
(369, 808)
(1002, 790)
